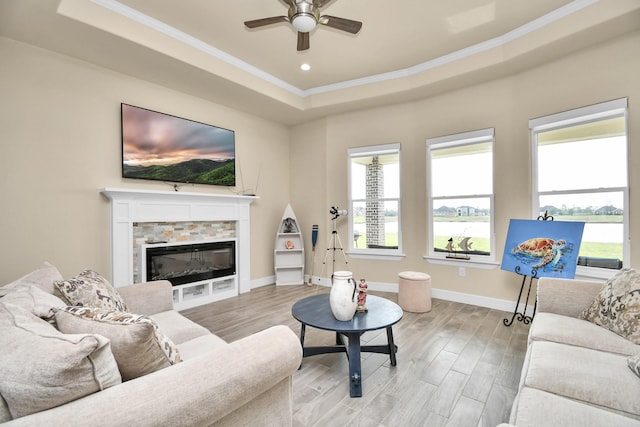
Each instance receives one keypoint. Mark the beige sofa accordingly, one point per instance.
(575, 372)
(246, 382)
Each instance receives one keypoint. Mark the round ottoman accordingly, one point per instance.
(414, 291)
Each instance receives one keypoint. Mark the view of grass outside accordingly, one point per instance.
(587, 248)
(594, 249)
(390, 236)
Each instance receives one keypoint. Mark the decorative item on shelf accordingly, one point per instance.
(362, 297)
(464, 245)
(289, 244)
(289, 226)
(343, 295)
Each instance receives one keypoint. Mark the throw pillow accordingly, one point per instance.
(617, 305)
(89, 289)
(35, 301)
(634, 364)
(43, 278)
(41, 368)
(136, 341)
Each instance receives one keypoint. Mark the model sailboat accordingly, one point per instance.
(463, 245)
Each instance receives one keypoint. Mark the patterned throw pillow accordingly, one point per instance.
(89, 289)
(617, 305)
(634, 364)
(137, 343)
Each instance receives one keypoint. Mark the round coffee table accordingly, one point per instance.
(315, 311)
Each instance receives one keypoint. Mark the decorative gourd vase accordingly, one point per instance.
(342, 298)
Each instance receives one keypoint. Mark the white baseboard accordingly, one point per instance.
(461, 297)
(265, 281)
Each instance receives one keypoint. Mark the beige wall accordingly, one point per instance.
(61, 144)
(605, 72)
(60, 123)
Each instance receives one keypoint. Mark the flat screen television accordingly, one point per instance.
(163, 147)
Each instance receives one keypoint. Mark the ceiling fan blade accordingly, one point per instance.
(303, 41)
(320, 3)
(265, 21)
(341, 23)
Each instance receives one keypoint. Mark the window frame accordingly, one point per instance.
(480, 136)
(374, 253)
(580, 116)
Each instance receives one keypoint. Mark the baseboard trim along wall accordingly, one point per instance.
(464, 298)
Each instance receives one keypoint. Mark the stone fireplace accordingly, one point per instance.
(166, 218)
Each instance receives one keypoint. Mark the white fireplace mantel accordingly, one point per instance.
(129, 206)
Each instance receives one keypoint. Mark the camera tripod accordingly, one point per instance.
(334, 244)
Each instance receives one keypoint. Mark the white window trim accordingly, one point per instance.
(608, 109)
(464, 138)
(366, 253)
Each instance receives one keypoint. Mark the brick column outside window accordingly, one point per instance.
(374, 208)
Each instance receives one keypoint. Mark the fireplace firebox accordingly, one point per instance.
(188, 263)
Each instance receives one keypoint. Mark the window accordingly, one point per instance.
(580, 174)
(460, 186)
(374, 198)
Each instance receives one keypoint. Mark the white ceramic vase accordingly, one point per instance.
(343, 298)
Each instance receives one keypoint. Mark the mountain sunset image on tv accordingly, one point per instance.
(163, 147)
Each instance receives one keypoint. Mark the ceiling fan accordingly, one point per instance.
(304, 16)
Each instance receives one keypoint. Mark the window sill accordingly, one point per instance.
(377, 256)
(593, 273)
(484, 265)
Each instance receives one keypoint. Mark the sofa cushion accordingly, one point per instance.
(42, 277)
(200, 345)
(137, 343)
(569, 330)
(177, 327)
(591, 376)
(536, 408)
(617, 305)
(90, 289)
(634, 364)
(34, 300)
(59, 368)
(5, 415)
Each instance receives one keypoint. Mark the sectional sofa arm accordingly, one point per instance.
(568, 297)
(148, 297)
(196, 392)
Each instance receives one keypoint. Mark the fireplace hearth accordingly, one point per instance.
(188, 263)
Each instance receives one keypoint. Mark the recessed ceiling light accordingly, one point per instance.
(305, 67)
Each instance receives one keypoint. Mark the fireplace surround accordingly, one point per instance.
(129, 206)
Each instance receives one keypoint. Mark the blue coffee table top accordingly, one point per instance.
(315, 311)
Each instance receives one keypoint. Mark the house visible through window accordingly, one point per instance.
(460, 195)
(580, 174)
(374, 198)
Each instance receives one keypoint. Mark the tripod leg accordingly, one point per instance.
(341, 250)
(326, 255)
(334, 243)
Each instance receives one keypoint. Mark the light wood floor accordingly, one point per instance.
(457, 365)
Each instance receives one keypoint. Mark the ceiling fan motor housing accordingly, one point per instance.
(304, 16)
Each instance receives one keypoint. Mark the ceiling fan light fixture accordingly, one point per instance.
(304, 22)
